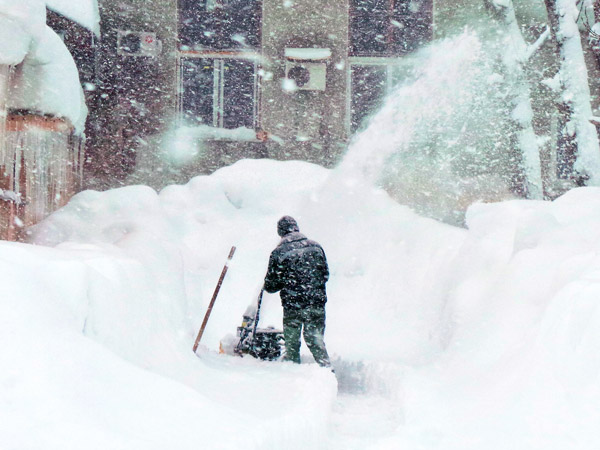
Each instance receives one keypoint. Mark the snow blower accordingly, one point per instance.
(261, 343)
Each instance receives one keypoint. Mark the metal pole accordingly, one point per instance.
(214, 297)
(256, 319)
(4, 77)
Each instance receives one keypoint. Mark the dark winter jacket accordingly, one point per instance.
(298, 268)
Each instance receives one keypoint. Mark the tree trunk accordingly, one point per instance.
(524, 138)
(594, 30)
(578, 151)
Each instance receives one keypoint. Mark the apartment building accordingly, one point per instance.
(284, 79)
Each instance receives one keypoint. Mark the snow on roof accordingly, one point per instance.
(20, 23)
(48, 82)
(308, 53)
(14, 42)
(84, 12)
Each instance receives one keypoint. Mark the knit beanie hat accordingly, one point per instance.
(287, 225)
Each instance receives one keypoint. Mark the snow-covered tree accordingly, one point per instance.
(513, 58)
(577, 145)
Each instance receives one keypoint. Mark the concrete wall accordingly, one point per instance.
(136, 99)
(312, 124)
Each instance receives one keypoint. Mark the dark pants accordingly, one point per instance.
(313, 320)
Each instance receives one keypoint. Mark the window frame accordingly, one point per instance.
(393, 66)
(219, 59)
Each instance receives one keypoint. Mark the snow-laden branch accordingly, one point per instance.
(533, 48)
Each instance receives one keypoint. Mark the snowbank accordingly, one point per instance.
(485, 338)
(361, 229)
(63, 390)
(521, 362)
(118, 279)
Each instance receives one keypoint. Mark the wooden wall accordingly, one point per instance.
(40, 170)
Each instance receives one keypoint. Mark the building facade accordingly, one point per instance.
(215, 81)
(304, 74)
(284, 79)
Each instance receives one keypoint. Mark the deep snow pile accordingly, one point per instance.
(379, 260)
(485, 338)
(521, 361)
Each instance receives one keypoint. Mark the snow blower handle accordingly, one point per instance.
(214, 297)
(256, 318)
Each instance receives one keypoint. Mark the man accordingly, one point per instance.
(298, 268)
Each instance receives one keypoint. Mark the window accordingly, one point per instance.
(218, 92)
(370, 82)
(389, 27)
(219, 24)
(369, 86)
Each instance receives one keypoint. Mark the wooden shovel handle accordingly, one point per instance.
(214, 297)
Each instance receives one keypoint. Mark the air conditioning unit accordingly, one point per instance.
(138, 43)
(308, 76)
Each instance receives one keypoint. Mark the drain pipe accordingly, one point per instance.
(4, 74)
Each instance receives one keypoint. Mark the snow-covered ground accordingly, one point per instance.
(442, 337)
